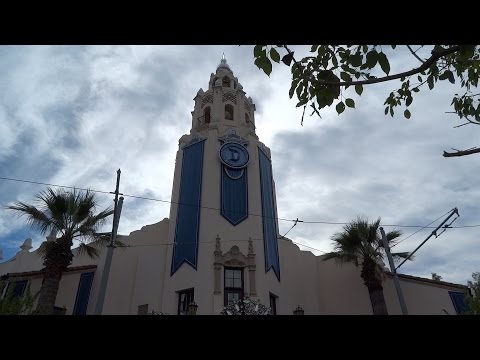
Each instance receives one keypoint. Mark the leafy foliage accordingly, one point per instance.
(474, 301)
(436, 277)
(18, 305)
(361, 240)
(323, 78)
(361, 243)
(71, 216)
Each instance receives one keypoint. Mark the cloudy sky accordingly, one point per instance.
(73, 115)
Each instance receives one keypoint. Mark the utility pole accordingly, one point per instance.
(108, 260)
(434, 232)
(394, 272)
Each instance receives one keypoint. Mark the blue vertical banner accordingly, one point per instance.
(234, 195)
(270, 234)
(185, 247)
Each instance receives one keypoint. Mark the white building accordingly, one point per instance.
(221, 239)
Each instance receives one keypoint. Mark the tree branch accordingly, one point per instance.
(461, 153)
(423, 67)
(414, 54)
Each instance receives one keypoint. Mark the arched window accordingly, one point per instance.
(247, 119)
(228, 112)
(226, 81)
(206, 115)
(234, 84)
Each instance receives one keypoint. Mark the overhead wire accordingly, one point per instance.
(218, 209)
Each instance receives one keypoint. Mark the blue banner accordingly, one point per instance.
(185, 247)
(234, 195)
(268, 215)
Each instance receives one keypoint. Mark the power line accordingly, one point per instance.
(221, 241)
(143, 197)
(409, 236)
(218, 209)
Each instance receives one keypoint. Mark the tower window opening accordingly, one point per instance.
(206, 115)
(226, 81)
(247, 119)
(228, 112)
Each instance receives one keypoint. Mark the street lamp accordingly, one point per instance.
(298, 311)
(192, 308)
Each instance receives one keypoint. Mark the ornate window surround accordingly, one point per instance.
(234, 258)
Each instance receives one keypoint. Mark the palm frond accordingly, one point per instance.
(88, 249)
(393, 235)
(92, 223)
(36, 218)
(55, 204)
(372, 230)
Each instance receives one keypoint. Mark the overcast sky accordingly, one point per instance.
(73, 115)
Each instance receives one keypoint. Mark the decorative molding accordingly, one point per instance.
(232, 136)
(234, 258)
(247, 107)
(207, 98)
(230, 96)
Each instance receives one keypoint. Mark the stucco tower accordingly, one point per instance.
(223, 231)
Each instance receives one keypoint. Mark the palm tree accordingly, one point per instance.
(360, 242)
(71, 216)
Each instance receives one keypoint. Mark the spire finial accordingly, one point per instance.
(223, 63)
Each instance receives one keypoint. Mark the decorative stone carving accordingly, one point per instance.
(234, 258)
(229, 96)
(207, 98)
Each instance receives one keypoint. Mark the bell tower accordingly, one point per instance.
(223, 220)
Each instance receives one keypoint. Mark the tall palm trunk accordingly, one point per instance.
(375, 288)
(59, 256)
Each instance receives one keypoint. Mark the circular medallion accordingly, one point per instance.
(234, 155)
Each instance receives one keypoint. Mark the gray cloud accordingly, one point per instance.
(73, 115)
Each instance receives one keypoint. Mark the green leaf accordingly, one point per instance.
(264, 64)
(293, 87)
(350, 103)
(384, 64)
(340, 107)
(386, 110)
(408, 101)
(302, 102)
(416, 89)
(359, 89)
(356, 60)
(394, 46)
(287, 59)
(430, 82)
(391, 111)
(314, 48)
(451, 77)
(274, 55)
(407, 114)
(257, 51)
(419, 78)
(372, 58)
(345, 77)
